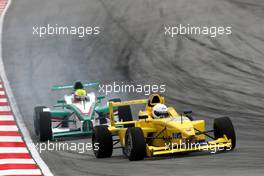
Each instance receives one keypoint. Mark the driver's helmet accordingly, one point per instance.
(160, 111)
(80, 94)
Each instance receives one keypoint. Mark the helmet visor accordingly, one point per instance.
(161, 114)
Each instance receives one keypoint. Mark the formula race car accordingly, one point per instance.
(72, 115)
(160, 130)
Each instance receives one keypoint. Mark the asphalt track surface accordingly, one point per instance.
(213, 76)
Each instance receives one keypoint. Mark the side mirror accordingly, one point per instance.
(187, 111)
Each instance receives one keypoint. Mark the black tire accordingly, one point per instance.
(135, 146)
(36, 115)
(102, 142)
(124, 113)
(45, 128)
(224, 126)
(102, 117)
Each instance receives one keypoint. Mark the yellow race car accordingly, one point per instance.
(159, 130)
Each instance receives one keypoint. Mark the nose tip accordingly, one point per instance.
(189, 133)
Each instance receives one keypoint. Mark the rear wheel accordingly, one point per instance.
(223, 126)
(124, 113)
(102, 117)
(45, 128)
(135, 146)
(36, 118)
(102, 142)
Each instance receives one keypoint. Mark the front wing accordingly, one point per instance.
(215, 145)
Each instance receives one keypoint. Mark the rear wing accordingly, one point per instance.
(85, 85)
(122, 103)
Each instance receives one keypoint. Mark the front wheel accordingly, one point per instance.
(45, 128)
(36, 118)
(135, 146)
(223, 126)
(102, 142)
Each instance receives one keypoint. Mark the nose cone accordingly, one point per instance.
(185, 127)
(188, 132)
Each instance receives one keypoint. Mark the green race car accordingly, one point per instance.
(73, 115)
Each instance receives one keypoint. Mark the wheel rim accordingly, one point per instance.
(128, 144)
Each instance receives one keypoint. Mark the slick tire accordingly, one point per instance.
(102, 142)
(135, 146)
(45, 128)
(103, 117)
(124, 113)
(36, 118)
(224, 126)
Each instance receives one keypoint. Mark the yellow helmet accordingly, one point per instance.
(80, 92)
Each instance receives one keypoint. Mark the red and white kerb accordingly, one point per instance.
(15, 158)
